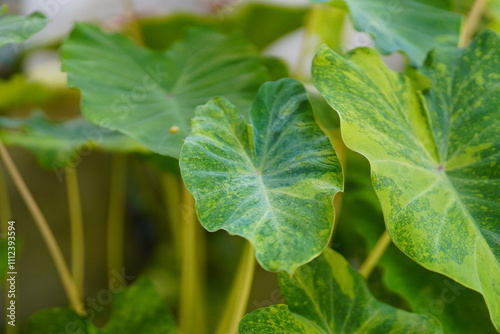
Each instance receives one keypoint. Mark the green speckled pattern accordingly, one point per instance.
(434, 157)
(151, 96)
(327, 296)
(272, 181)
(412, 26)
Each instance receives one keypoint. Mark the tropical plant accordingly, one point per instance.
(373, 195)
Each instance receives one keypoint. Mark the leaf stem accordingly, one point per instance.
(471, 22)
(172, 195)
(116, 215)
(191, 308)
(376, 253)
(305, 49)
(47, 235)
(237, 301)
(134, 27)
(77, 232)
(5, 208)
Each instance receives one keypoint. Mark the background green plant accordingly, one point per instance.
(139, 92)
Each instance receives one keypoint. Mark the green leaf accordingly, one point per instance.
(159, 33)
(432, 160)
(259, 23)
(57, 145)
(57, 320)
(412, 26)
(126, 317)
(424, 291)
(151, 96)
(17, 29)
(328, 296)
(17, 92)
(139, 309)
(263, 24)
(271, 181)
(276, 319)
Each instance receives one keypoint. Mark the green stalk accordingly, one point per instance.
(472, 22)
(116, 216)
(306, 48)
(237, 301)
(77, 233)
(191, 312)
(5, 208)
(5, 216)
(172, 195)
(47, 235)
(378, 250)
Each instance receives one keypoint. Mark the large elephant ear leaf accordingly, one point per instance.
(271, 181)
(412, 26)
(434, 158)
(17, 29)
(152, 96)
(328, 296)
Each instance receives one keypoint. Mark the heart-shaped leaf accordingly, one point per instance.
(328, 296)
(151, 96)
(433, 160)
(17, 29)
(411, 26)
(424, 291)
(57, 145)
(272, 181)
(151, 317)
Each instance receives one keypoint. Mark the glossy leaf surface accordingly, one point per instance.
(421, 290)
(328, 296)
(433, 158)
(271, 181)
